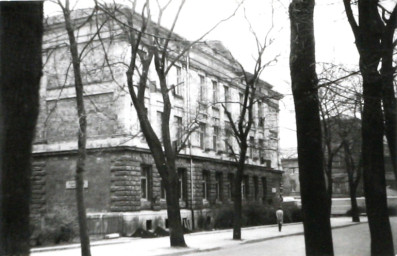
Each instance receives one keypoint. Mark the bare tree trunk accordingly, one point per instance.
(20, 67)
(237, 215)
(368, 33)
(317, 228)
(374, 169)
(353, 199)
(82, 136)
(388, 96)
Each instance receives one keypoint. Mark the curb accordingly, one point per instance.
(253, 241)
(190, 250)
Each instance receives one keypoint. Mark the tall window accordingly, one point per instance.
(261, 118)
(162, 190)
(245, 187)
(264, 188)
(145, 177)
(228, 137)
(202, 88)
(252, 145)
(182, 184)
(215, 138)
(261, 143)
(256, 188)
(178, 124)
(205, 184)
(230, 179)
(214, 91)
(219, 186)
(201, 135)
(179, 81)
(159, 124)
(227, 96)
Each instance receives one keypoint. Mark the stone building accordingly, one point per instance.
(121, 181)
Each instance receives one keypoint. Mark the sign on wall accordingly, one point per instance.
(274, 190)
(71, 184)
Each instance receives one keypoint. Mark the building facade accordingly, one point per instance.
(121, 179)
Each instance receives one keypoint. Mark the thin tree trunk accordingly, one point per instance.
(237, 215)
(173, 211)
(315, 209)
(353, 199)
(82, 137)
(20, 67)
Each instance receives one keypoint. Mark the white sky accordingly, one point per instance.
(334, 39)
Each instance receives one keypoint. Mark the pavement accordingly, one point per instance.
(197, 242)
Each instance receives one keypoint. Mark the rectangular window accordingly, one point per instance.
(201, 135)
(228, 137)
(162, 190)
(179, 130)
(230, 179)
(159, 124)
(182, 184)
(256, 188)
(245, 187)
(219, 186)
(252, 146)
(202, 88)
(145, 177)
(214, 91)
(179, 81)
(261, 145)
(205, 184)
(227, 96)
(264, 189)
(215, 138)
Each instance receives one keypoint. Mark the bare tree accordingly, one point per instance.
(368, 35)
(77, 56)
(315, 204)
(20, 49)
(151, 43)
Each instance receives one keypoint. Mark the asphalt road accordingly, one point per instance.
(348, 241)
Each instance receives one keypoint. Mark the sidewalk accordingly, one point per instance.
(197, 242)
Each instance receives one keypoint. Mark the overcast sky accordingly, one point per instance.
(334, 39)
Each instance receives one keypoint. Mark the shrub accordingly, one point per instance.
(204, 222)
(360, 210)
(392, 210)
(224, 218)
(292, 213)
(57, 226)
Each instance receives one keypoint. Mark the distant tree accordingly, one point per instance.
(340, 104)
(20, 71)
(315, 204)
(368, 35)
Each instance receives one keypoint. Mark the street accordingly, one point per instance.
(348, 241)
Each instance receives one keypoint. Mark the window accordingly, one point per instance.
(256, 188)
(219, 186)
(261, 143)
(179, 81)
(202, 88)
(205, 184)
(228, 137)
(145, 177)
(179, 130)
(245, 187)
(159, 124)
(214, 91)
(264, 189)
(201, 135)
(261, 118)
(162, 190)
(227, 96)
(230, 179)
(182, 184)
(215, 138)
(252, 145)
